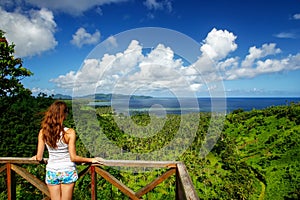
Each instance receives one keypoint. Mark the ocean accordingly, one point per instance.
(159, 105)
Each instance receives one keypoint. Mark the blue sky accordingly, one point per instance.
(203, 48)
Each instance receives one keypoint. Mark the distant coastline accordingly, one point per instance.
(186, 105)
(101, 96)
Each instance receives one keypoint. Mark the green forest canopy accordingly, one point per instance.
(256, 157)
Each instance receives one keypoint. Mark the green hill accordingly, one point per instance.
(256, 156)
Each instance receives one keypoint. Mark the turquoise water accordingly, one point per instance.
(185, 105)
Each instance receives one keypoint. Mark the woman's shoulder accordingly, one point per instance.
(70, 131)
(41, 134)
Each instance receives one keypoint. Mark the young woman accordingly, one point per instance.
(61, 172)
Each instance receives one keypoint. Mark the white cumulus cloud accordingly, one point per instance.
(82, 37)
(32, 34)
(158, 5)
(286, 35)
(37, 90)
(296, 16)
(159, 70)
(257, 63)
(111, 42)
(127, 71)
(257, 53)
(218, 44)
(72, 7)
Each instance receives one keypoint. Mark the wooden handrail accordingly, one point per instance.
(18, 160)
(184, 185)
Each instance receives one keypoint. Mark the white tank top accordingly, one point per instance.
(59, 158)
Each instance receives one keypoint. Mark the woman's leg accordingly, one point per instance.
(55, 191)
(67, 191)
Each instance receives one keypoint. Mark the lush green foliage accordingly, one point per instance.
(256, 157)
(11, 70)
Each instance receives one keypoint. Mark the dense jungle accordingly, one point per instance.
(255, 157)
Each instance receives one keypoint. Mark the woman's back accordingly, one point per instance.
(59, 158)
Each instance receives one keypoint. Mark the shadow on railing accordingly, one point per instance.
(184, 185)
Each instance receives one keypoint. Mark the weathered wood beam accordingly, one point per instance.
(110, 178)
(11, 182)
(18, 160)
(93, 183)
(187, 184)
(140, 163)
(120, 163)
(2, 168)
(31, 179)
(83, 172)
(154, 183)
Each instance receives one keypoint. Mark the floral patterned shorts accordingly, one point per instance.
(64, 177)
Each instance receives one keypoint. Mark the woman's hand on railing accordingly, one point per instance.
(43, 161)
(98, 160)
(33, 157)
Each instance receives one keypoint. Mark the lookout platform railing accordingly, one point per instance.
(184, 186)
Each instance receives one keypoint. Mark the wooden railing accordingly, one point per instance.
(184, 187)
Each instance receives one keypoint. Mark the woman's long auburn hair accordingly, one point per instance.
(52, 124)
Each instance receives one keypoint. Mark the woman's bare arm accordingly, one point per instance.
(40, 148)
(71, 140)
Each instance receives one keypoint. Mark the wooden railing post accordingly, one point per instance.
(93, 183)
(184, 185)
(179, 188)
(11, 182)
